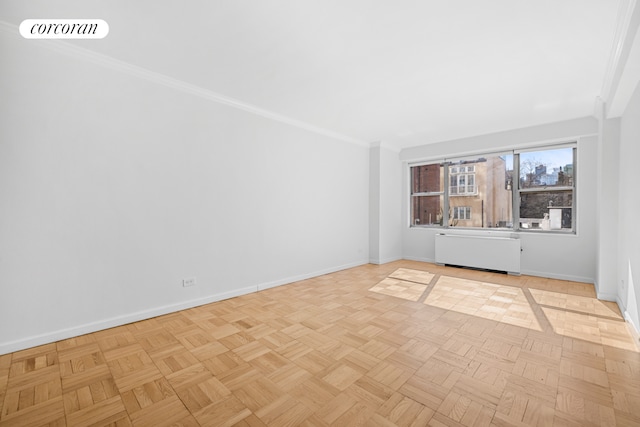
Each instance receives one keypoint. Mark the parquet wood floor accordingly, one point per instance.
(401, 344)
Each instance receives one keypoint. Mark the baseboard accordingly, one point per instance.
(633, 329)
(291, 279)
(605, 296)
(525, 272)
(419, 259)
(384, 260)
(87, 328)
(568, 277)
(62, 334)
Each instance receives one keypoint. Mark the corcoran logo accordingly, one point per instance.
(64, 29)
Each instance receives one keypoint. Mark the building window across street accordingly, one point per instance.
(462, 179)
(462, 212)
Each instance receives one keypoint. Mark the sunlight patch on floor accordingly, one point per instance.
(590, 328)
(410, 275)
(506, 304)
(404, 283)
(400, 289)
(580, 304)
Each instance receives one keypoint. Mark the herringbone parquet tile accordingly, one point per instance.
(401, 344)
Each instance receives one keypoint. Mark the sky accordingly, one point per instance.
(551, 158)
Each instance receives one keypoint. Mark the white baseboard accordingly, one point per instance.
(420, 259)
(548, 275)
(62, 334)
(605, 296)
(384, 260)
(633, 329)
(527, 272)
(87, 328)
(291, 279)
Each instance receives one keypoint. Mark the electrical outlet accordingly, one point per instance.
(190, 281)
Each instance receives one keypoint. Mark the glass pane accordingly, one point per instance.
(551, 210)
(484, 196)
(546, 168)
(426, 210)
(427, 179)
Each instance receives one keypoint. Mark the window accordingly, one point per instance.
(546, 189)
(531, 190)
(462, 180)
(478, 194)
(462, 212)
(427, 194)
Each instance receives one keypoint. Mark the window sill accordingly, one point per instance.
(481, 231)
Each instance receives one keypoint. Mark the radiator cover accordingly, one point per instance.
(491, 253)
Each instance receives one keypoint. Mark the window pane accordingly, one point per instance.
(426, 210)
(427, 179)
(483, 196)
(549, 210)
(546, 168)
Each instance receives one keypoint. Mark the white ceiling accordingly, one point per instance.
(402, 72)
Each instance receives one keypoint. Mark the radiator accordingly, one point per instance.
(491, 253)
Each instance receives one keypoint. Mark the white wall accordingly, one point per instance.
(113, 189)
(374, 204)
(391, 205)
(385, 201)
(607, 224)
(571, 257)
(628, 285)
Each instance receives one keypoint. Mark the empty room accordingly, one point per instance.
(319, 213)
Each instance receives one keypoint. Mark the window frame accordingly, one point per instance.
(545, 189)
(465, 174)
(413, 195)
(514, 185)
(465, 209)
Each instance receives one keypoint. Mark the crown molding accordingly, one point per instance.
(626, 29)
(106, 61)
(384, 145)
(629, 80)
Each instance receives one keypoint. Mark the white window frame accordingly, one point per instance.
(517, 194)
(453, 164)
(413, 195)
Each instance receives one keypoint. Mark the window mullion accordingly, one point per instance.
(515, 191)
(445, 204)
(573, 197)
(546, 189)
